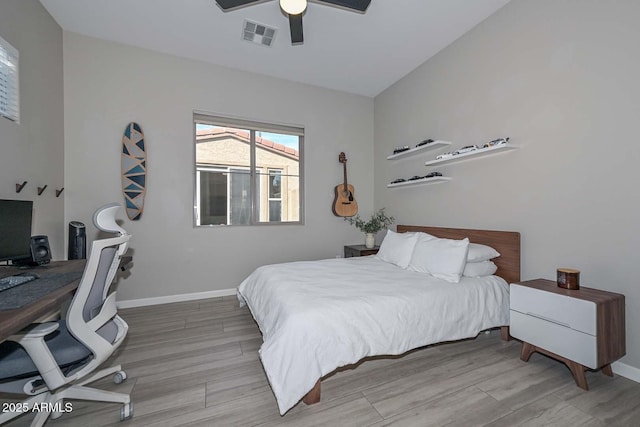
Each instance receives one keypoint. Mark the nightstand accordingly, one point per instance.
(584, 328)
(359, 250)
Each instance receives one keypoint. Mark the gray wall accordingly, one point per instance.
(561, 79)
(33, 150)
(108, 85)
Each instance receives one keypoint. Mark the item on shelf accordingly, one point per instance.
(400, 149)
(458, 156)
(425, 142)
(432, 175)
(499, 141)
(446, 155)
(568, 278)
(424, 180)
(466, 149)
(417, 177)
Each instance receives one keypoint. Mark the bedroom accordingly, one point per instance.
(559, 78)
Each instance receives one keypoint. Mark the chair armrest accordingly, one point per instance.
(32, 339)
(35, 330)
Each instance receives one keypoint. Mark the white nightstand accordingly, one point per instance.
(583, 328)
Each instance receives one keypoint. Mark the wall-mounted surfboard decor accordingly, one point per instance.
(134, 170)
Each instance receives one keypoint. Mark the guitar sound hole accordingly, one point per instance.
(347, 195)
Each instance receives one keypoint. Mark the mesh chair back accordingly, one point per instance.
(99, 287)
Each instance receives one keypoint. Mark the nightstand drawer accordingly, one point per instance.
(560, 309)
(569, 343)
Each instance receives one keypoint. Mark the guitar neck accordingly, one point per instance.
(344, 166)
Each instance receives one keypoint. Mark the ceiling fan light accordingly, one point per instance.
(293, 7)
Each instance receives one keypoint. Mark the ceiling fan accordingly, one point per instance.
(295, 9)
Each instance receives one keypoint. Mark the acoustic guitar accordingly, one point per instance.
(344, 203)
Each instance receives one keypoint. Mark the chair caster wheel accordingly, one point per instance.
(126, 413)
(119, 377)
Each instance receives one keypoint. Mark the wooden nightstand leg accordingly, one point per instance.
(527, 351)
(577, 370)
(578, 374)
(606, 370)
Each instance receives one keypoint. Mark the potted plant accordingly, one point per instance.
(378, 221)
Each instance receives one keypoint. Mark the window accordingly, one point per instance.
(247, 173)
(9, 105)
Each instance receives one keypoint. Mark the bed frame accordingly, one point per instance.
(505, 242)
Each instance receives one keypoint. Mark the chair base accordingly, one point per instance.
(52, 405)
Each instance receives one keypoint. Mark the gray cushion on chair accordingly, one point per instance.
(66, 350)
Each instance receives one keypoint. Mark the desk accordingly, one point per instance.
(11, 321)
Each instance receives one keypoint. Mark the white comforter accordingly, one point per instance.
(316, 316)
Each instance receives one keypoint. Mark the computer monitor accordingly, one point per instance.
(15, 229)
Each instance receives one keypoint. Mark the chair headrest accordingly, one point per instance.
(105, 219)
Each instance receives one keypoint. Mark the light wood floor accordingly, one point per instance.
(196, 364)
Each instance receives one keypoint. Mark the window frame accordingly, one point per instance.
(255, 171)
(273, 172)
(9, 56)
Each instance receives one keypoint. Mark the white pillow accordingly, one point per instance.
(442, 258)
(478, 252)
(396, 248)
(479, 269)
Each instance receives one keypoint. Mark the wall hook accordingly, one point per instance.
(19, 187)
(59, 192)
(41, 190)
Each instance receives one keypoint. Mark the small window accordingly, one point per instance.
(275, 195)
(9, 99)
(247, 173)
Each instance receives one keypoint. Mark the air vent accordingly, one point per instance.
(258, 33)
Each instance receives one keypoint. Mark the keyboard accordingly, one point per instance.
(13, 281)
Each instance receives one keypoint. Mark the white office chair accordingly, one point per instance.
(54, 361)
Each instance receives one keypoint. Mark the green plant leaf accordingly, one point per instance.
(377, 222)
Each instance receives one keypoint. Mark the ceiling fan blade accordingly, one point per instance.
(295, 25)
(359, 5)
(232, 4)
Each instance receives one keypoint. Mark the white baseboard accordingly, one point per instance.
(142, 302)
(626, 371)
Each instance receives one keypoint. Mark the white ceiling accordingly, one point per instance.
(347, 51)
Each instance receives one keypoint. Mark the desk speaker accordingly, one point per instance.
(40, 250)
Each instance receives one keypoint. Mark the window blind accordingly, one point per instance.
(9, 99)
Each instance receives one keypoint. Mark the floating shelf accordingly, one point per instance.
(423, 181)
(431, 146)
(482, 152)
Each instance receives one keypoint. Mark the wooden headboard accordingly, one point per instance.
(505, 242)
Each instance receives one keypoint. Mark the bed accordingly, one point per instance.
(317, 316)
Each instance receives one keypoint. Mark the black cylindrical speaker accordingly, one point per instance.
(77, 240)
